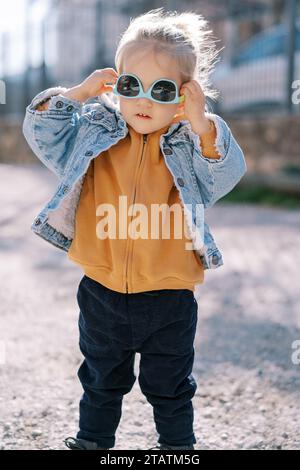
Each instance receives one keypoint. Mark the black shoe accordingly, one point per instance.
(168, 447)
(81, 444)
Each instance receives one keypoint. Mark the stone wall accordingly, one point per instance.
(13, 146)
(270, 143)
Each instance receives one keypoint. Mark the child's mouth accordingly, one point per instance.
(143, 117)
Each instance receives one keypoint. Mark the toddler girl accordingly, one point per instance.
(146, 141)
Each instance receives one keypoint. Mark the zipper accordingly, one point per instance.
(142, 154)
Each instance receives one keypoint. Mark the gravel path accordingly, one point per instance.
(248, 386)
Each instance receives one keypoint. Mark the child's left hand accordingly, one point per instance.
(194, 106)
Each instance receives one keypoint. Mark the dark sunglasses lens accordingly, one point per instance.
(164, 91)
(128, 86)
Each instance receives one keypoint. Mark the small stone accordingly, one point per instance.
(254, 444)
(138, 423)
(258, 396)
(228, 406)
(223, 400)
(36, 433)
(208, 413)
(238, 390)
(207, 403)
(277, 446)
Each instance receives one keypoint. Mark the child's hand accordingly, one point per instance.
(94, 84)
(194, 106)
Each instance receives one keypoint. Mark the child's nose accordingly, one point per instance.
(145, 101)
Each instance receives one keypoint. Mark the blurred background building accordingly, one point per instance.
(62, 41)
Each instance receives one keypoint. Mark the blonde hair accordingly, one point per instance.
(184, 36)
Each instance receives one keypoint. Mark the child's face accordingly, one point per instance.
(148, 68)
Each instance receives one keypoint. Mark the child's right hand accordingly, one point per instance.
(95, 83)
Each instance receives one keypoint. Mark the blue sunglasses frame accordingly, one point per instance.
(142, 94)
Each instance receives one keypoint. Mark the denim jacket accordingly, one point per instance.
(69, 134)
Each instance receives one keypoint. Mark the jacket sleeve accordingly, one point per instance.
(218, 176)
(51, 133)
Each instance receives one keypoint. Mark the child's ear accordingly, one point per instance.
(180, 108)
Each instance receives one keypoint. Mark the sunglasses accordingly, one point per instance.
(164, 90)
